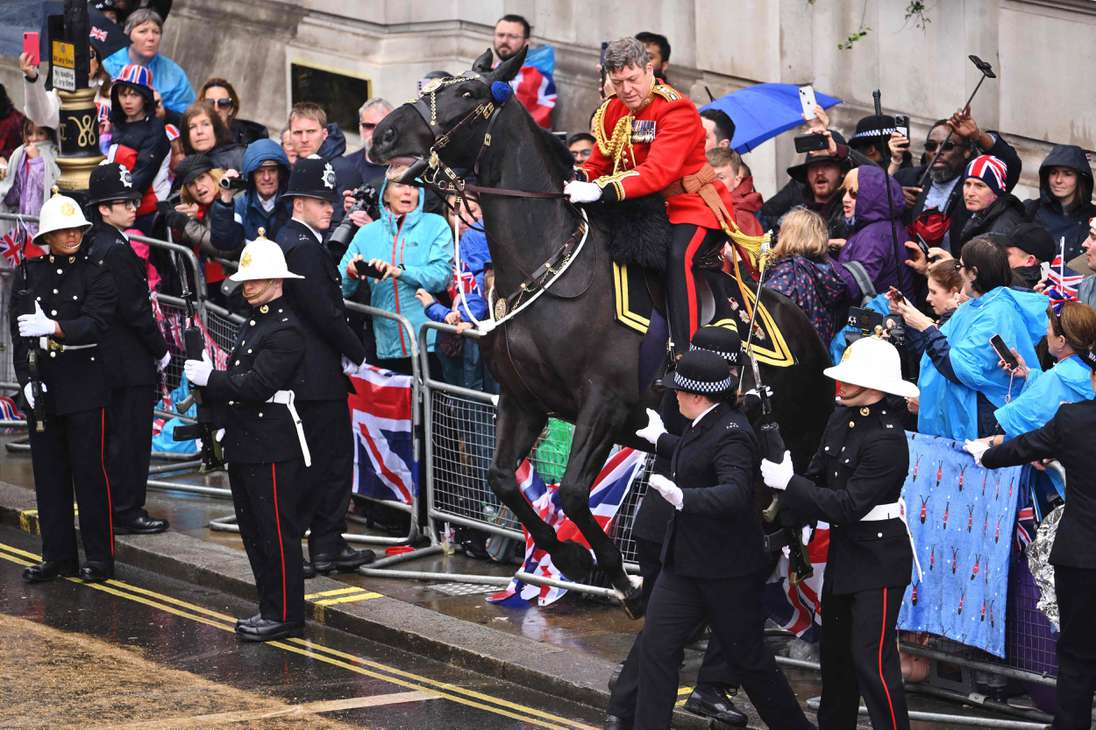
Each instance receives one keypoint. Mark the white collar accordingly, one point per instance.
(706, 412)
(315, 233)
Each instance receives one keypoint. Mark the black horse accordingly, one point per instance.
(564, 355)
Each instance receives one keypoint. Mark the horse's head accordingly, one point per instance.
(450, 116)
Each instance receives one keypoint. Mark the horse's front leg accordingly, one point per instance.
(602, 415)
(516, 430)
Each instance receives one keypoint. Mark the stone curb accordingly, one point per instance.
(405, 626)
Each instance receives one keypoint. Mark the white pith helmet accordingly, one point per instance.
(873, 363)
(58, 213)
(262, 259)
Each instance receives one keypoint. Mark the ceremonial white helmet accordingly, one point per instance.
(262, 259)
(872, 362)
(57, 214)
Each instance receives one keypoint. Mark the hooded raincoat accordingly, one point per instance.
(232, 224)
(167, 77)
(421, 244)
(878, 225)
(949, 400)
(1045, 210)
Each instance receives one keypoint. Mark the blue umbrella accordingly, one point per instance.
(763, 111)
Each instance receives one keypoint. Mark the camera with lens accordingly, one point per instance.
(233, 183)
(365, 199)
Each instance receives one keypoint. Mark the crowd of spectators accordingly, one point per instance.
(949, 259)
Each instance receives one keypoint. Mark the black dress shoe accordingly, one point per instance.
(346, 560)
(612, 722)
(140, 525)
(262, 629)
(96, 572)
(248, 621)
(50, 569)
(714, 702)
(307, 570)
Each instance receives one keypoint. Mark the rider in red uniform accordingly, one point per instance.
(650, 140)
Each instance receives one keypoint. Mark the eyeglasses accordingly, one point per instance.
(368, 126)
(221, 103)
(931, 146)
(960, 266)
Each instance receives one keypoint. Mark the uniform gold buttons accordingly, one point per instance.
(865, 411)
(264, 309)
(852, 424)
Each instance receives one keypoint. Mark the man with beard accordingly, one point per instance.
(532, 87)
(945, 193)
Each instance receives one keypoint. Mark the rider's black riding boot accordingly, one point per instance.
(688, 245)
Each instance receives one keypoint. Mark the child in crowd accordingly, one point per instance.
(31, 172)
(138, 139)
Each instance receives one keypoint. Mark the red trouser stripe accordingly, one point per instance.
(106, 477)
(278, 526)
(882, 679)
(690, 282)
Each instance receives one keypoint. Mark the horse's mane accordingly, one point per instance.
(557, 153)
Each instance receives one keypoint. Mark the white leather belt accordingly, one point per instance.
(52, 345)
(895, 511)
(286, 398)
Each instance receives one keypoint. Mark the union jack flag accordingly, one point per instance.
(607, 494)
(16, 244)
(798, 608)
(380, 413)
(1025, 526)
(9, 411)
(1061, 283)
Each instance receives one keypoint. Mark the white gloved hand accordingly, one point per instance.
(653, 429)
(29, 394)
(37, 324)
(349, 367)
(582, 192)
(669, 491)
(776, 475)
(197, 371)
(164, 361)
(976, 448)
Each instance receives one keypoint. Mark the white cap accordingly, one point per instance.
(58, 213)
(873, 363)
(262, 259)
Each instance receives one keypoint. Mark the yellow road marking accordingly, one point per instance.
(335, 592)
(336, 658)
(349, 599)
(302, 710)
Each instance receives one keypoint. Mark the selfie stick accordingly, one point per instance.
(877, 98)
(987, 73)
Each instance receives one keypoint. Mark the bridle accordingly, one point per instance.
(440, 176)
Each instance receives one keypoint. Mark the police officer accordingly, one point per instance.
(713, 563)
(321, 387)
(710, 697)
(1068, 438)
(68, 301)
(264, 442)
(854, 482)
(133, 349)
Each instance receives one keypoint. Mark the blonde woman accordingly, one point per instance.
(802, 271)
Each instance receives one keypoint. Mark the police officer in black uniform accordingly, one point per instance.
(710, 697)
(133, 350)
(264, 441)
(1068, 438)
(854, 482)
(321, 387)
(713, 563)
(72, 297)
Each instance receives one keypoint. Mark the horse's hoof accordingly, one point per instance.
(573, 560)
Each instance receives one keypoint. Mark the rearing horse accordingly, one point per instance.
(564, 354)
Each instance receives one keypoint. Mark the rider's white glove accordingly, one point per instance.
(37, 324)
(653, 429)
(777, 475)
(198, 371)
(582, 192)
(669, 491)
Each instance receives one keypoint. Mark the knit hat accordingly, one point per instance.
(990, 170)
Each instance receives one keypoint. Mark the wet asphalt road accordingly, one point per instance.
(145, 651)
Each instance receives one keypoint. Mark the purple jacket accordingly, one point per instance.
(872, 244)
